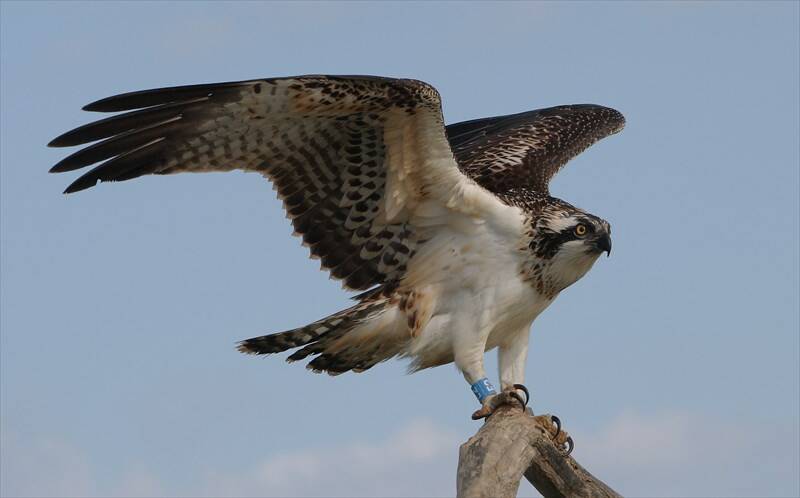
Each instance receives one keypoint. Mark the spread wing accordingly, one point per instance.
(352, 158)
(528, 149)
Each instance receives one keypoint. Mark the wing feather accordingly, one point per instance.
(352, 158)
(527, 149)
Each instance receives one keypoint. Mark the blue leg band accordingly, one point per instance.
(482, 389)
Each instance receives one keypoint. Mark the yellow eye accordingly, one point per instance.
(580, 230)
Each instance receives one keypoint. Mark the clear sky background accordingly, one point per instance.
(674, 363)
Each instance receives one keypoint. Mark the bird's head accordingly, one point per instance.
(568, 241)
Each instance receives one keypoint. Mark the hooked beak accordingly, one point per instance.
(603, 244)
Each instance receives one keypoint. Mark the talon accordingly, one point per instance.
(525, 390)
(570, 446)
(517, 397)
(561, 440)
(556, 421)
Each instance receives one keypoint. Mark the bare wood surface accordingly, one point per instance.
(513, 443)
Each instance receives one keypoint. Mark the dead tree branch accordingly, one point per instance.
(512, 443)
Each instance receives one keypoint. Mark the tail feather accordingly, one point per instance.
(282, 341)
(354, 339)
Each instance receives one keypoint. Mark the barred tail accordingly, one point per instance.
(327, 338)
(282, 341)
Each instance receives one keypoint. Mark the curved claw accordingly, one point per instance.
(556, 421)
(517, 397)
(525, 390)
(570, 446)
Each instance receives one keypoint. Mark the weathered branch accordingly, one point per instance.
(512, 443)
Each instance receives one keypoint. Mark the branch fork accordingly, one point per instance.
(514, 443)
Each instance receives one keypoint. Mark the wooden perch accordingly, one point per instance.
(513, 443)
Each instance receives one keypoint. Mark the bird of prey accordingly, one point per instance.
(450, 231)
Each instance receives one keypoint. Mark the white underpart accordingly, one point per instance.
(470, 271)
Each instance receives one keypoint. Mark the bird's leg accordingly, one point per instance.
(468, 352)
(485, 392)
(511, 356)
(468, 356)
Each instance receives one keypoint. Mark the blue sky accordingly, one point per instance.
(674, 363)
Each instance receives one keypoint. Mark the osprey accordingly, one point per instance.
(450, 230)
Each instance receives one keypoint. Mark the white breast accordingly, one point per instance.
(471, 271)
